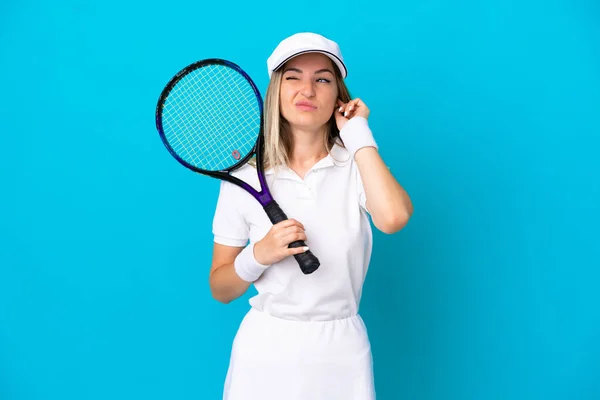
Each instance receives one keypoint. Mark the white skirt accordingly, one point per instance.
(277, 359)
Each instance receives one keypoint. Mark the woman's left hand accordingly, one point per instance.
(345, 111)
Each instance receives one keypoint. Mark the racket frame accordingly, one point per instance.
(263, 196)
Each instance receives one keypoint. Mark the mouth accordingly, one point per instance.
(305, 106)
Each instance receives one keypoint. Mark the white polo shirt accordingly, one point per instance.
(330, 203)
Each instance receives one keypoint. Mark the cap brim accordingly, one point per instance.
(340, 64)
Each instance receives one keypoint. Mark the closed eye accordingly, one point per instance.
(294, 78)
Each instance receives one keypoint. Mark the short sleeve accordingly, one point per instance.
(229, 225)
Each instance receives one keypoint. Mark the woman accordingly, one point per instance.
(303, 337)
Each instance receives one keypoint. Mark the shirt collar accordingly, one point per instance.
(338, 156)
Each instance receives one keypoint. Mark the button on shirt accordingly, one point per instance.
(330, 203)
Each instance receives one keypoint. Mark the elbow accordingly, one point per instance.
(223, 300)
(221, 297)
(393, 222)
(392, 216)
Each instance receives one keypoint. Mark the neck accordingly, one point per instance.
(308, 148)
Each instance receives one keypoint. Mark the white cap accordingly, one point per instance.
(305, 42)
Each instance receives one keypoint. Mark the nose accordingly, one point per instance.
(308, 89)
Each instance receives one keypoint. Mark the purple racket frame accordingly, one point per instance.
(307, 261)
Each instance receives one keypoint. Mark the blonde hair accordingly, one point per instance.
(278, 139)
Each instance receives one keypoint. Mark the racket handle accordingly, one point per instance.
(307, 260)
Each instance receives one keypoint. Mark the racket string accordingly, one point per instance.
(210, 113)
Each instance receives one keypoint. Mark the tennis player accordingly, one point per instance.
(302, 338)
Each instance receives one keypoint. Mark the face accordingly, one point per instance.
(308, 92)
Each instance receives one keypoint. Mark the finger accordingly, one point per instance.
(292, 237)
(353, 106)
(349, 107)
(289, 222)
(356, 102)
(297, 250)
(283, 231)
(295, 223)
(290, 230)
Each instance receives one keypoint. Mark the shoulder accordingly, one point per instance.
(341, 156)
(344, 162)
(246, 173)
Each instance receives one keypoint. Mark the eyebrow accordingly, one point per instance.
(316, 72)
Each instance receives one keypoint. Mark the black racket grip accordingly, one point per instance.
(307, 260)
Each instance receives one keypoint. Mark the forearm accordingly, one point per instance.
(226, 285)
(388, 203)
(233, 271)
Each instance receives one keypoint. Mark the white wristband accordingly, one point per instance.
(356, 134)
(246, 266)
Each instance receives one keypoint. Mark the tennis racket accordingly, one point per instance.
(210, 118)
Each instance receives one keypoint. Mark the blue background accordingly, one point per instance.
(487, 112)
